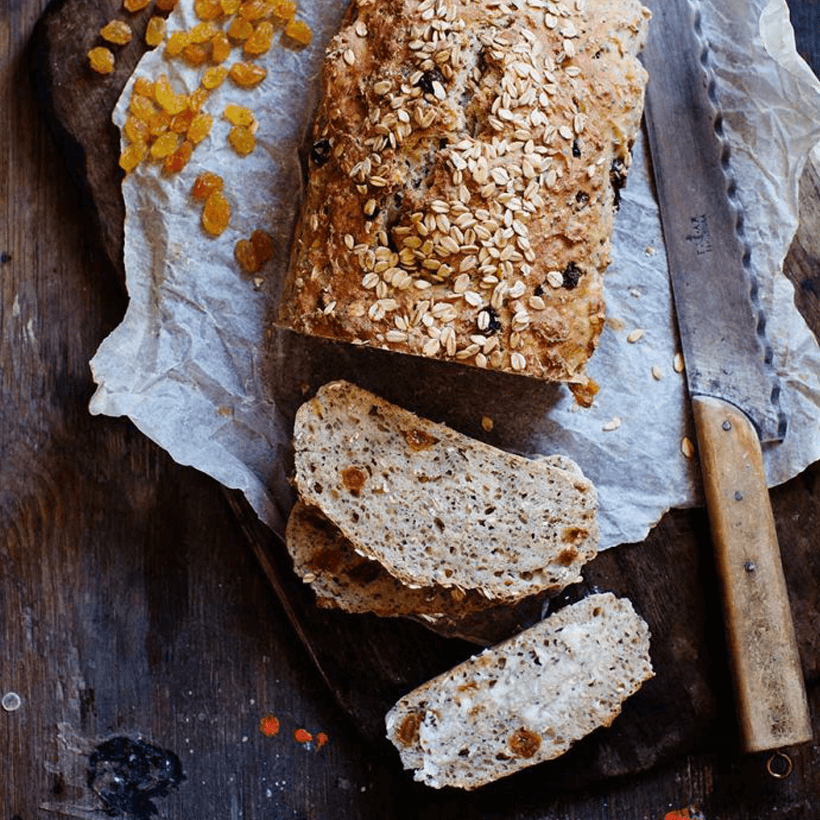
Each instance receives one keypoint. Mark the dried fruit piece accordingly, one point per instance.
(260, 41)
(165, 95)
(242, 140)
(216, 214)
(164, 145)
(155, 31)
(175, 162)
(117, 32)
(132, 156)
(230, 7)
(200, 127)
(196, 99)
(220, 47)
(214, 77)
(283, 10)
(205, 184)
(245, 255)
(239, 115)
(135, 130)
(166, 5)
(207, 9)
(202, 32)
(195, 54)
(135, 5)
(247, 74)
(240, 29)
(101, 60)
(262, 243)
(144, 86)
(299, 32)
(181, 122)
(159, 123)
(142, 107)
(254, 9)
(176, 42)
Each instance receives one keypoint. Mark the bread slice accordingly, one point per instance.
(465, 166)
(437, 508)
(526, 700)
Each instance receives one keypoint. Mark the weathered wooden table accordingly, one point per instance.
(136, 620)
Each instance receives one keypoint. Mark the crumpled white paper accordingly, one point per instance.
(199, 368)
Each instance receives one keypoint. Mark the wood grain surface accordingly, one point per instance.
(133, 604)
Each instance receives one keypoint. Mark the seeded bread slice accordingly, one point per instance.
(464, 172)
(525, 700)
(437, 508)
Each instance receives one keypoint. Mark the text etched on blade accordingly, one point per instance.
(700, 234)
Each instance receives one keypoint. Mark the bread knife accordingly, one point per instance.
(733, 389)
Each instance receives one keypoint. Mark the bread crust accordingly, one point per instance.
(464, 169)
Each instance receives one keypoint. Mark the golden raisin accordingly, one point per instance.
(240, 29)
(101, 60)
(117, 32)
(245, 255)
(176, 42)
(242, 140)
(238, 115)
(216, 214)
(136, 130)
(175, 162)
(165, 95)
(135, 5)
(180, 123)
(262, 243)
(283, 10)
(155, 31)
(207, 9)
(220, 47)
(214, 76)
(230, 6)
(144, 86)
(205, 184)
(200, 127)
(247, 74)
(202, 32)
(259, 42)
(164, 145)
(299, 32)
(166, 5)
(196, 99)
(158, 124)
(142, 107)
(132, 156)
(254, 9)
(195, 54)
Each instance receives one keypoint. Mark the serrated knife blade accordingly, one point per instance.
(734, 392)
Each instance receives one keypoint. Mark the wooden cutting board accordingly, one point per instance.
(369, 662)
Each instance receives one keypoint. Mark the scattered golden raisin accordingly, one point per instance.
(195, 54)
(155, 31)
(144, 86)
(216, 214)
(176, 42)
(202, 32)
(196, 99)
(240, 29)
(260, 41)
(175, 162)
(207, 9)
(166, 5)
(136, 130)
(220, 47)
(164, 145)
(230, 6)
(117, 32)
(254, 9)
(262, 243)
(181, 122)
(132, 156)
(214, 76)
(135, 5)
(245, 255)
(238, 115)
(165, 95)
(283, 10)
(299, 32)
(101, 60)
(200, 127)
(205, 184)
(142, 107)
(247, 74)
(159, 123)
(242, 140)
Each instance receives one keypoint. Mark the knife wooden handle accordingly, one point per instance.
(769, 689)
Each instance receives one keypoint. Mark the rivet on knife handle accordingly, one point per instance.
(770, 693)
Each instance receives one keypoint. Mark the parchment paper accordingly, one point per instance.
(199, 368)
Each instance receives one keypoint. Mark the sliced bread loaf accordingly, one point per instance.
(525, 700)
(437, 508)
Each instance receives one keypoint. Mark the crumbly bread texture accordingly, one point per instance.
(464, 170)
(437, 508)
(526, 700)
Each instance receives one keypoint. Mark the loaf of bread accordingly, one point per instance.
(465, 165)
(436, 508)
(526, 700)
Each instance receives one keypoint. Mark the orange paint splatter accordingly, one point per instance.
(302, 736)
(269, 726)
(321, 739)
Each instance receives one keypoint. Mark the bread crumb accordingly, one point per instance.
(650, 251)
(635, 335)
(657, 373)
(678, 363)
(613, 424)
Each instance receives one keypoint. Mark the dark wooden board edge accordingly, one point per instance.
(675, 713)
